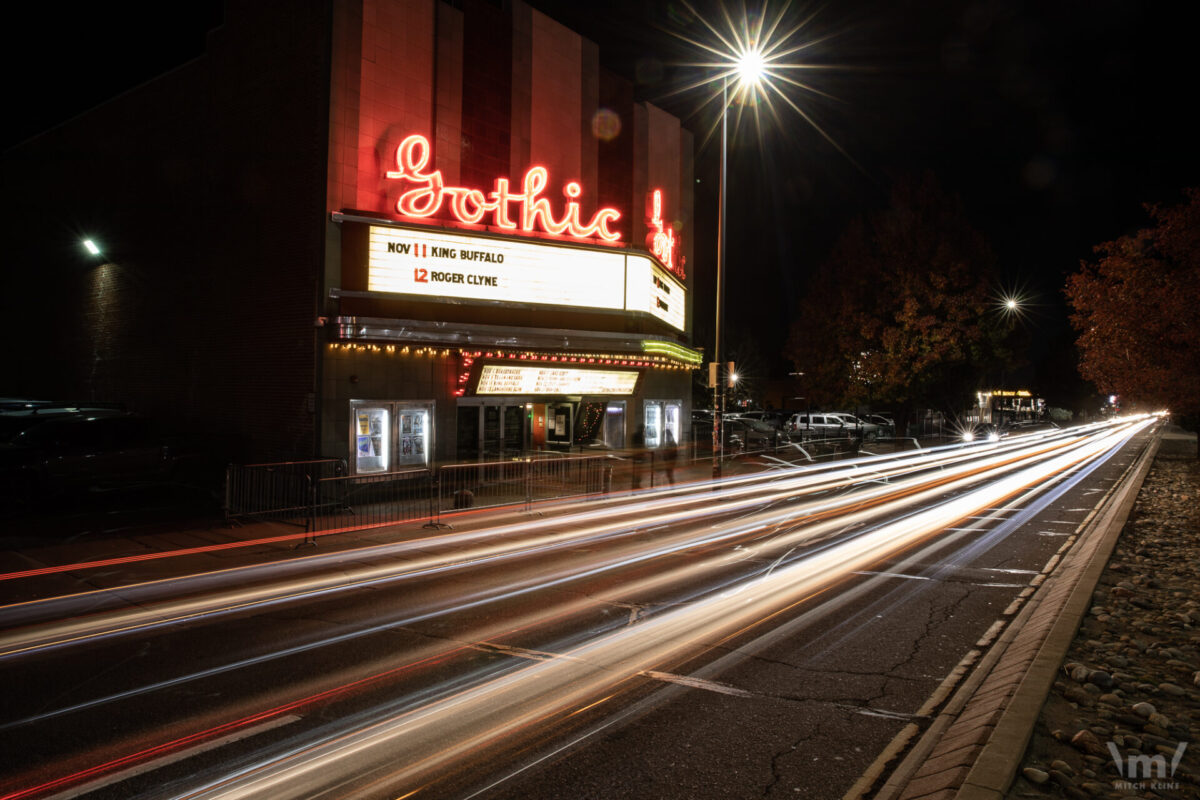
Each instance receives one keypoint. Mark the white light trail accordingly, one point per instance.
(798, 534)
(479, 548)
(464, 725)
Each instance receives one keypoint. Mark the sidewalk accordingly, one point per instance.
(974, 747)
(1131, 679)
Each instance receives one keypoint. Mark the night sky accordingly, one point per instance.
(1054, 121)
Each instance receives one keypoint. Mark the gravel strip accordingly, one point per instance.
(1123, 718)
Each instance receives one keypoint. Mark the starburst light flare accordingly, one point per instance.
(754, 65)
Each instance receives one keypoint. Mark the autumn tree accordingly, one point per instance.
(1137, 311)
(902, 310)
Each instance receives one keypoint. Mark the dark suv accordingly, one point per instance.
(96, 449)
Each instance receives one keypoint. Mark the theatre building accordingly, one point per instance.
(401, 233)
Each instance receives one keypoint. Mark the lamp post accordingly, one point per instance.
(1012, 308)
(748, 68)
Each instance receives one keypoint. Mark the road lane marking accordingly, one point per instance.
(879, 712)
(896, 575)
(699, 683)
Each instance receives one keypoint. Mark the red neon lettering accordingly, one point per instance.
(471, 205)
(662, 239)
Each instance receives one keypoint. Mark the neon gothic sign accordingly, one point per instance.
(661, 239)
(516, 211)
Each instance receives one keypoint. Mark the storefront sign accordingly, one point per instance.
(528, 380)
(436, 263)
(516, 211)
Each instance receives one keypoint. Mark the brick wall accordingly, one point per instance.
(203, 188)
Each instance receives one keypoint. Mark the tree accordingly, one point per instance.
(1137, 311)
(901, 311)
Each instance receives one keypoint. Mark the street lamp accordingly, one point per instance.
(759, 52)
(1012, 306)
(748, 68)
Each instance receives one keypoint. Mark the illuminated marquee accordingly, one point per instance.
(661, 239)
(438, 263)
(472, 205)
(519, 380)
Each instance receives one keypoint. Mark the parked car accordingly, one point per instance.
(887, 425)
(775, 419)
(17, 415)
(739, 433)
(50, 454)
(868, 430)
(817, 425)
(754, 434)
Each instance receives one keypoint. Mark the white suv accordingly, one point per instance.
(820, 425)
(869, 429)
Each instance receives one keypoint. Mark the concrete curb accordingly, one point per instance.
(975, 744)
(1001, 757)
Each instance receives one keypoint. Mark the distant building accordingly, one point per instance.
(998, 406)
(395, 231)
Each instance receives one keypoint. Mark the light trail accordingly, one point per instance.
(807, 559)
(683, 541)
(80, 566)
(497, 544)
(442, 734)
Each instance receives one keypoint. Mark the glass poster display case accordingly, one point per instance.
(661, 416)
(389, 435)
(372, 437)
(413, 424)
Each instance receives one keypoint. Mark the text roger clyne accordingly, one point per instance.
(458, 277)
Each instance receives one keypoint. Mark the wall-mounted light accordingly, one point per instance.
(91, 247)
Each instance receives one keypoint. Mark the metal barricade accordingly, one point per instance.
(570, 477)
(363, 501)
(505, 483)
(484, 484)
(281, 491)
(320, 496)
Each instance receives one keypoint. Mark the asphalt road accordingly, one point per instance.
(767, 639)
